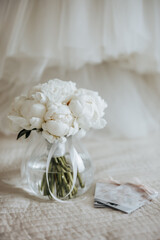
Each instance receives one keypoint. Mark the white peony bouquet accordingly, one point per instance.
(58, 110)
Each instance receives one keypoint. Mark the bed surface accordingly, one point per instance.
(24, 217)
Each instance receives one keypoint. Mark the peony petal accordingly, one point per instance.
(50, 138)
(56, 128)
(19, 122)
(31, 109)
(36, 122)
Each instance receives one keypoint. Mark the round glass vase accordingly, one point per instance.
(58, 180)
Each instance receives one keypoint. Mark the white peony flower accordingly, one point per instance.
(89, 108)
(52, 139)
(59, 110)
(17, 123)
(54, 91)
(31, 109)
(26, 114)
(59, 121)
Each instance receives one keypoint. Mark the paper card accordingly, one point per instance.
(124, 197)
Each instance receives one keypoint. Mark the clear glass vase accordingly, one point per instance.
(58, 181)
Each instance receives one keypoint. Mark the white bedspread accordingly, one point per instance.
(24, 217)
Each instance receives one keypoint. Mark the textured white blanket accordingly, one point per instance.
(24, 217)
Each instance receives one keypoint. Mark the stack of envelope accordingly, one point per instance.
(124, 197)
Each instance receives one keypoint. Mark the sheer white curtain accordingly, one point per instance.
(109, 46)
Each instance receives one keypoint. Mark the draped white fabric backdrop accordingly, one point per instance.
(112, 46)
(109, 46)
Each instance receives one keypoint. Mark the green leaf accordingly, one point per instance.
(21, 133)
(28, 133)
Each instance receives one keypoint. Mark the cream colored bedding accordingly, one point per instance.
(24, 217)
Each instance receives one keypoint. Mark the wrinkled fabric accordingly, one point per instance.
(109, 46)
(23, 216)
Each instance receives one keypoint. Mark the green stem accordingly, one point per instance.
(80, 180)
(60, 175)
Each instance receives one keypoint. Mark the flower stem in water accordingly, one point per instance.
(60, 177)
